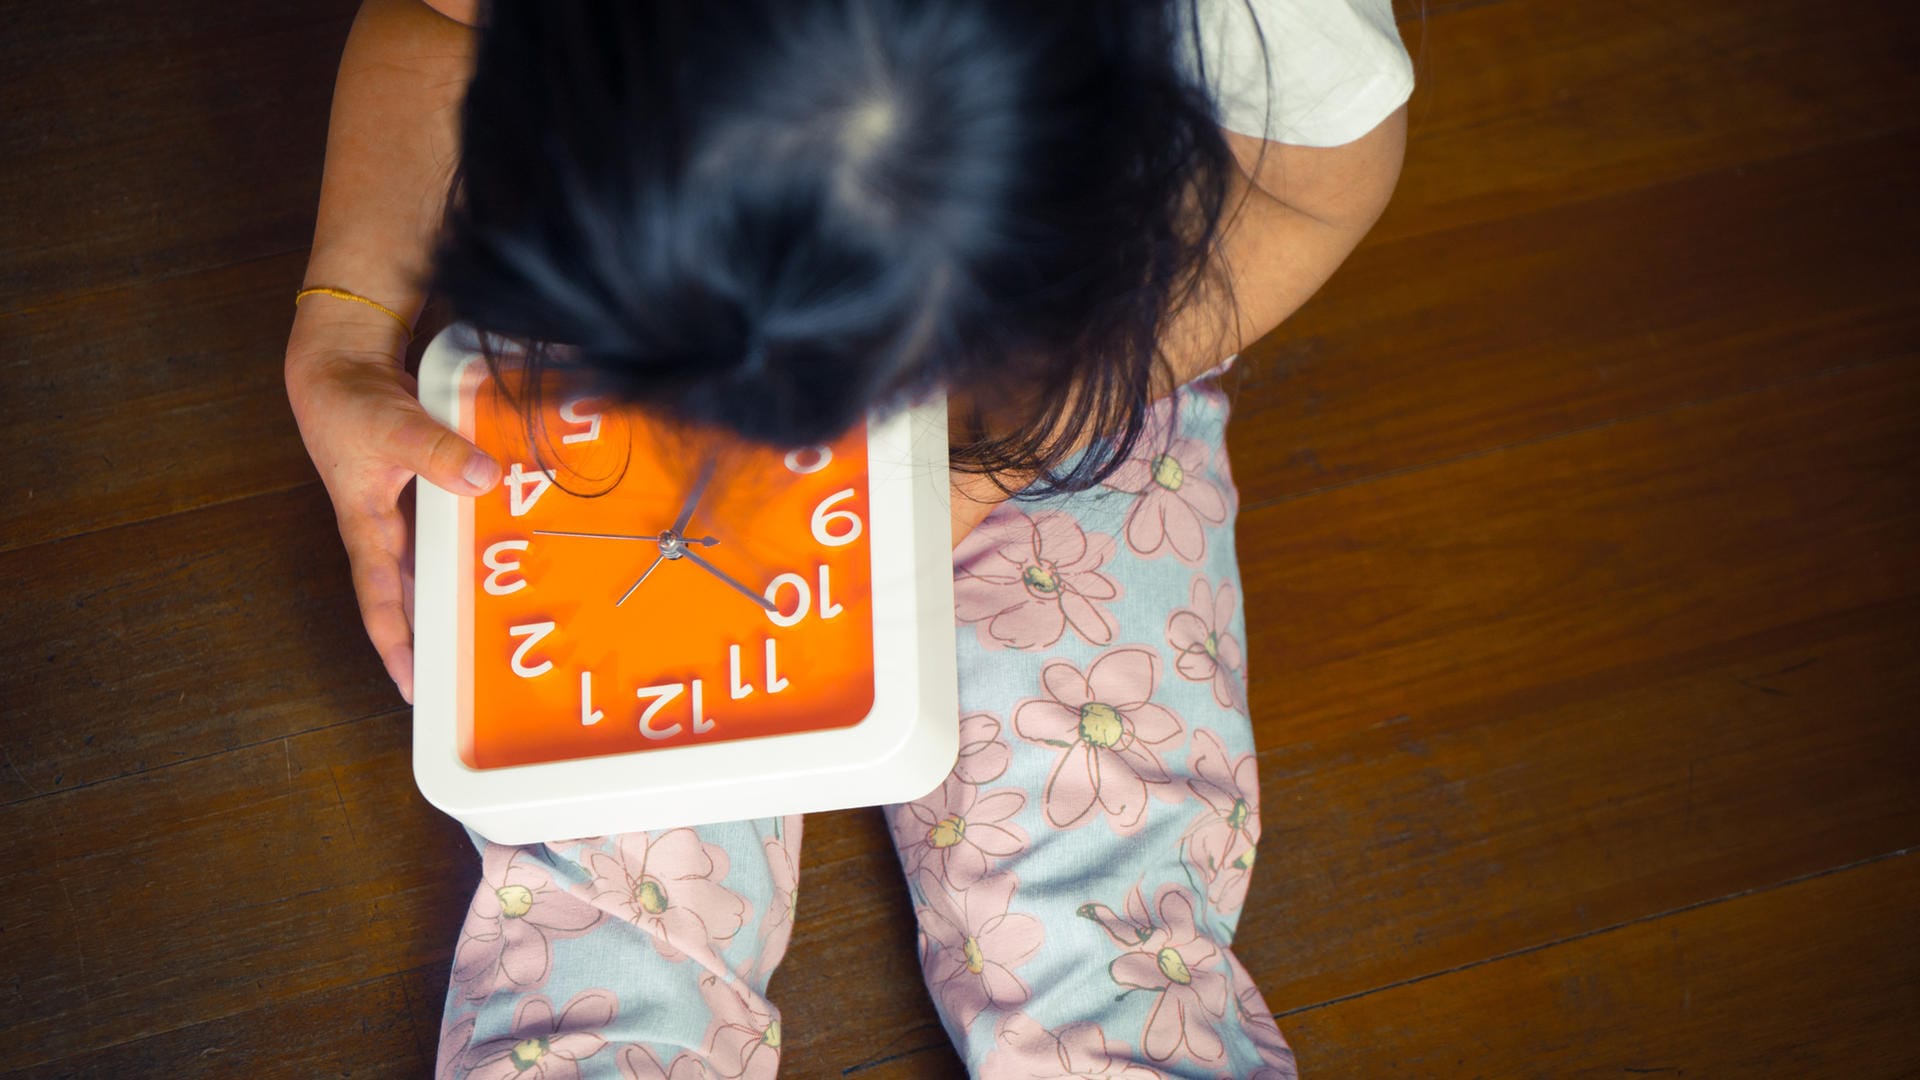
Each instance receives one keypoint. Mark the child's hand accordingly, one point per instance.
(369, 437)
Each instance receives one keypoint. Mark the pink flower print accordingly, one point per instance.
(1207, 651)
(1256, 1020)
(1026, 1051)
(1174, 962)
(668, 884)
(745, 1038)
(542, 1046)
(1177, 500)
(517, 911)
(1024, 580)
(984, 755)
(454, 1040)
(1127, 931)
(954, 831)
(976, 945)
(1108, 728)
(639, 1063)
(776, 926)
(1220, 844)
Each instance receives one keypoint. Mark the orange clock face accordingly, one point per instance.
(631, 587)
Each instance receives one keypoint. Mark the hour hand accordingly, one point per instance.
(764, 603)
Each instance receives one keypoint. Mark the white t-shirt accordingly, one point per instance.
(1337, 67)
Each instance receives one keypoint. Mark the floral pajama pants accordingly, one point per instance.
(1077, 878)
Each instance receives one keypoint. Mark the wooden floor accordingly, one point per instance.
(1581, 542)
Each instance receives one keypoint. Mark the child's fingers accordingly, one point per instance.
(422, 445)
(374, 545)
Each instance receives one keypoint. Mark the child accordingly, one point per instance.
(774, 215)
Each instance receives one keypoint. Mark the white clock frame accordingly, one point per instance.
(902, 749)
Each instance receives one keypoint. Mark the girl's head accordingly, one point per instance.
(774, 215)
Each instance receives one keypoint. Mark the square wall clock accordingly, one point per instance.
(645, 627)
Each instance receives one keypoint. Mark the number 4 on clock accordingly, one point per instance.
(525, 488)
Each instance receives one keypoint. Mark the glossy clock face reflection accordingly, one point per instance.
(630, 587)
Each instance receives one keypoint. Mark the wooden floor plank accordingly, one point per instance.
(149, 140)
(195, 358)
(1524, 105)
(849, 991)
(1426, 840)
(1573, 556)
(204, 889)
(1814, 979)
(364, 1030)
(179, 638)
(1706, 286)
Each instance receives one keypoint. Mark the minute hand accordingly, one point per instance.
(693, 499)
(703, 564)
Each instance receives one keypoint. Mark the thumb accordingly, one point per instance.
(439, 455)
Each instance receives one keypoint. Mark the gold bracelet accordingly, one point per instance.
(342, 294)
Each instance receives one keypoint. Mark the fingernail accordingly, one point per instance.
(481, 471)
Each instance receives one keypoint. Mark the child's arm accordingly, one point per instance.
(391, 147)
(392, 143)
(1305, 210)
(1292, 217)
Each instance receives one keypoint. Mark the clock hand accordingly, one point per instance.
(658, 559)
(704, 541)
(699, 487)
(703, 564)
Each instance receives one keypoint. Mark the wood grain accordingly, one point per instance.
(1523, 105)
(149, 140)
(179, 638)
(1813, 978)
(206, 888)
(1579, 536)
(366, 1029)
(196, 358)
(1573, 556)
(1621, 306)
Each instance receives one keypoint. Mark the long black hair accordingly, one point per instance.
(775, 215)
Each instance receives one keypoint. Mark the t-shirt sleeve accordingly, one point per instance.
(1332, 70)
